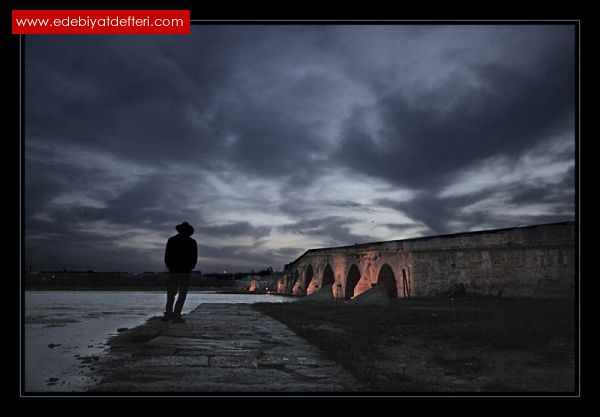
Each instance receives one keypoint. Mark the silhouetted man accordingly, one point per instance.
(181, 256)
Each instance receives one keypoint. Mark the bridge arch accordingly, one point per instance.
(295, 279)
(351, 280)
(308, 276)
(328, 277)
(387, 278)
(291, 281)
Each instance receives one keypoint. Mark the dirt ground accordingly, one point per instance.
(467, 344)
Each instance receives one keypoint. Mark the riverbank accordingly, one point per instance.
(221, 348)
(67, 331)
(468, 344)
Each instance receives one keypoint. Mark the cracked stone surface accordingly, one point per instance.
(220, 348)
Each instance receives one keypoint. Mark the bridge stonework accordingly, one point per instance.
(532, 261)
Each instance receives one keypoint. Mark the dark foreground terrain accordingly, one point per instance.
(466, 344)
(220, 348)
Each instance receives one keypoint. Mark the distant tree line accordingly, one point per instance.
(99, 280)
(239, 275)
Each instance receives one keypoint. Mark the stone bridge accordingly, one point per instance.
(536, 261)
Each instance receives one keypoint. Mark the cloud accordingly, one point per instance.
(544, 164)
(274, 139)
(505, 111)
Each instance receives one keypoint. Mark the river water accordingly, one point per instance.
(65, 331)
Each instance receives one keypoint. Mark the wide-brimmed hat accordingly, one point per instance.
(185, 228)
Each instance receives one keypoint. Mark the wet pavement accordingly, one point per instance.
(221, 348)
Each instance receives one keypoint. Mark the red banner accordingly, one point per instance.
(95, 22)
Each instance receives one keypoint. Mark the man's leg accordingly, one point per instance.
(184, 284)
(172, 285)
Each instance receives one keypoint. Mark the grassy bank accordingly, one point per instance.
(438, 344)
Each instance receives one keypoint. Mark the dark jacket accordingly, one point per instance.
(181, 254)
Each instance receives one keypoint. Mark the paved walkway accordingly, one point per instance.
(220, 348)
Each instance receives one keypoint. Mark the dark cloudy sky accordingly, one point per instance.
(272, 140)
